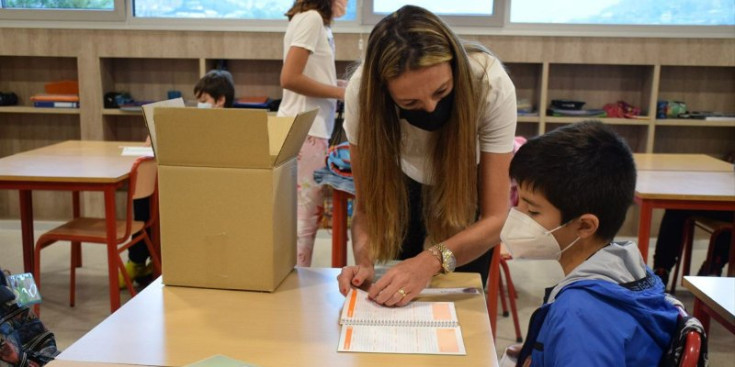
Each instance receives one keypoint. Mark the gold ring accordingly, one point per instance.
(402, 292)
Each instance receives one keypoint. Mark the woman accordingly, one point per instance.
(429, 155)
(309, 81)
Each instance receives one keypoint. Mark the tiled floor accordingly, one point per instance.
(92, 306)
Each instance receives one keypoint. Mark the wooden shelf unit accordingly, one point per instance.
(147, 64)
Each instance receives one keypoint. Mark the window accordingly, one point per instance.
(458, 13)
(61, 4)
(223, 9)
(74, 10)
(625, 12)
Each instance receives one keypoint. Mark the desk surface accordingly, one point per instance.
(680, 162)
(70, 161)
(716, 292)
(686, 185)
(295, 326)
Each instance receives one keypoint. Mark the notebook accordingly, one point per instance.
(417, 328)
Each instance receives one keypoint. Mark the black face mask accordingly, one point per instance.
(430, 121)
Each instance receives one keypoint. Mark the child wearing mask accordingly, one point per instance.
(575, 185)
(216, 89)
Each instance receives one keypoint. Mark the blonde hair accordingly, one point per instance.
(409, 39)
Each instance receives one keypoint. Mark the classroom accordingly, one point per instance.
(367, 182)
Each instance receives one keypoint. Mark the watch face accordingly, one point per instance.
(450, 263)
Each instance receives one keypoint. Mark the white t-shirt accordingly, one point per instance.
(307, 30)
(495, 128)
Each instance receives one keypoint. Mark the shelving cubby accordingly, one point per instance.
(253, 78)
(598, 85)
(145, 79)
(701, 88)
(601, 84)
(527, 78)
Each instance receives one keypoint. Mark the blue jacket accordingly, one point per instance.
(610, 311)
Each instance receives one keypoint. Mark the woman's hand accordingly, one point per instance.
(404, 281)
(355, 276)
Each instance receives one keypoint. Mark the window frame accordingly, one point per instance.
(496, 20)
(122, 18)
(118, 14)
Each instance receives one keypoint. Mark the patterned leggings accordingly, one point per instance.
(310, 196)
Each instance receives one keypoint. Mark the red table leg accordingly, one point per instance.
(26, 227)
(701, 315)
(339, 228)
(644, 228)
(76, 246)
(493, 286)
(111, 224)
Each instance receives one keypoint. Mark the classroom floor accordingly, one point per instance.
(92, 306)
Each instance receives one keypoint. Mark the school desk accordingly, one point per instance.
(297, 325)
(69, 166)
(666, 184)
(680, 162)
(715, 298)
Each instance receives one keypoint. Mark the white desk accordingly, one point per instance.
(715, 297)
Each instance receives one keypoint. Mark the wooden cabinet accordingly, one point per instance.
(702, 88)
(24, 127)
(148, 64)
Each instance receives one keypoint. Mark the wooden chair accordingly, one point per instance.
(712, 226)
(142, 184)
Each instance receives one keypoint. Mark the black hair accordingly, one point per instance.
(580, 168)
(217, 83)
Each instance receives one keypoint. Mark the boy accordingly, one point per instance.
(216, 89)
(575, 185)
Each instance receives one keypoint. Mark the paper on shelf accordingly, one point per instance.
(137, 151)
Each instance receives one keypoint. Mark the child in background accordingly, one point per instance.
(575, 186)
(216, 89)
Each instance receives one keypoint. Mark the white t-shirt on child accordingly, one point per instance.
(307, 30)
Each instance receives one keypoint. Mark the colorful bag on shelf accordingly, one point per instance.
(24, 340)
(621, 109)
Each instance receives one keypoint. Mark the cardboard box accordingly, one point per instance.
(227, 190)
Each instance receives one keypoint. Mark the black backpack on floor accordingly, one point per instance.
(24, 341)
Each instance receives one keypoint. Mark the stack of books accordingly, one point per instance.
(55, 100)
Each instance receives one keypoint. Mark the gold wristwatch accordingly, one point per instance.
(445, 256)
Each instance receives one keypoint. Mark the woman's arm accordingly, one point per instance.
(361, 274)
(293, 78)
(494, 198)
(413, 275)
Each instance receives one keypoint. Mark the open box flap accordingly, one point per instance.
(150, 120)
(232, 138)
(294, 138)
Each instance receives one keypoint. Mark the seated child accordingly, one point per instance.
(216, 89)
(575, 186)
